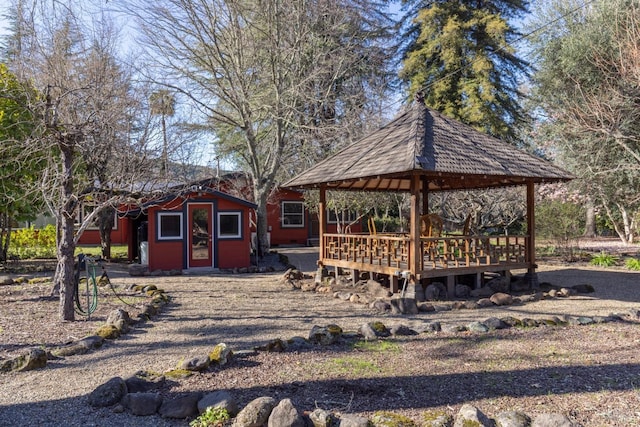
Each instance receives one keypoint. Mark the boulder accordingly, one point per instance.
(120, 319)
(495, 323)
(6, 280)
(470, 415)
(500, 299)
(350, 420)
(221, 354)
(325, 335)
(512, 419)
(142, 404)
(483, 292)
(218, 399)
(402, 330)
(196, 364)
(137, 384)
(322, 418)
(499, 284)
(33, 359)
(182, 407)
(553, 420)
(477, 327)
(375, 289)
(109, 393)
(436, 291)
(256, 413)
(462, 291)
(86, 344)
(285, 415)
(380, 305)
(404, 306)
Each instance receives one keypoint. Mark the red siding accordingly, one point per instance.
(164, 255)
(118, 237)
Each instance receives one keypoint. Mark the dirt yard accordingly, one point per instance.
(589, 373)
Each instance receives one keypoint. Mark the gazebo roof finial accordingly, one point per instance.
(419, 97)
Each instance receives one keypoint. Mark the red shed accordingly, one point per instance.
(204, 229)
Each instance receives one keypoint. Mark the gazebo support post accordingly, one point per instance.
(322, 220)
(414, 230)
(532, 276)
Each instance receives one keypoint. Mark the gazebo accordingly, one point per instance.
(422, 151)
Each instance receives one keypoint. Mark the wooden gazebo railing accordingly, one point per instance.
(446, 256)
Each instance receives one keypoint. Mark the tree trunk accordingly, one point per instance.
(64, 277)
(105, 224)
(261, 195)
(590, 223)
(5, 237)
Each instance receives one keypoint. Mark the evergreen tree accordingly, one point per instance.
(460, 55)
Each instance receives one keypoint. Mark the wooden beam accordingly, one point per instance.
(415, 254)
(531, 227)
(322, 219)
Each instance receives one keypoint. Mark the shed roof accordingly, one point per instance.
(448, 154)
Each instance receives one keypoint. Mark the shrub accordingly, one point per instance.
(633, 264)
(603, 259)
(33, 243)
(211, 417)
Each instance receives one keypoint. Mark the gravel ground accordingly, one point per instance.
(589, 373)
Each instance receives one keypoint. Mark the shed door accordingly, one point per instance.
(200, 238)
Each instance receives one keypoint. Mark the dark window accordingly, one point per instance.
(229, 225)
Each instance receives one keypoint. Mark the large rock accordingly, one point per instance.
(469, 415)
(120, 319)
(325, 335)
(404, 306)
(181, 407)
(436, 291)
(285, 415)
(6, 280)
(322, 418)
(142, 404)
(553, 420)
(218, 399)
(79, 347)
(374, 330)
(349, 420)
(499, 284)
(376, 289)
(512, 419)
(35, 358)
(137, 384)
(256, 413)
(109, 393)
(221, 354)
(500, 299)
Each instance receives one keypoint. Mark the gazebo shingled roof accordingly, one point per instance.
(421, 141)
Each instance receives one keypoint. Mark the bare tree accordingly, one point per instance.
(264, 73)
(90, 126)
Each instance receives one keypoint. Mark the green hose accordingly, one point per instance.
(91, 284)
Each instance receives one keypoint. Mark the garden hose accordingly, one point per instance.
(91, 287)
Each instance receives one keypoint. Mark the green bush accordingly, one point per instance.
(211, 417)
(33, 243)
(633, 264)
(603, 259)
